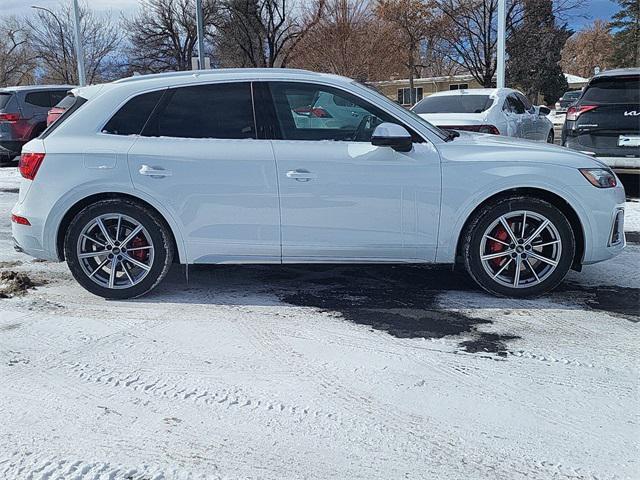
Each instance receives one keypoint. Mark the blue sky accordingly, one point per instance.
(591, 10)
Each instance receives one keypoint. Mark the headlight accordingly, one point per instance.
(600, 177)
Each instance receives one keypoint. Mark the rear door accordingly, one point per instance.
(606, 119)
(199, 156)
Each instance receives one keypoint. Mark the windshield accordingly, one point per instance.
(454, 104)
(393, 106)
(571, 95)
(613, 90)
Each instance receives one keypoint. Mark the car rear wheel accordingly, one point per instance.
(550, 136)
(118, 249)
(518, 247)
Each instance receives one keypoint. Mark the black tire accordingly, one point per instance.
(156, 228)
(550, 136)
(485, 218)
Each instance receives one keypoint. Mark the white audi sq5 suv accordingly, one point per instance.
(231, 166)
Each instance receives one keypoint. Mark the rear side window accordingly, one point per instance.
(39, 99)
(71, 104)
(454, 104)
(222, 110)
(613, 90)
(133, 115)
(5, 98)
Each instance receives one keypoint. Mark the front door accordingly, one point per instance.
(200, 157)
(343, 199)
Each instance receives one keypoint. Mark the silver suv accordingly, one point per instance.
(23, 115)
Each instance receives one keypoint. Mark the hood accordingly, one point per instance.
(446, 119)
(479, 147)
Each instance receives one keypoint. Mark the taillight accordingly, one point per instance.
(54, 114)
(29, 164)
(20, 220)
(573, 112)
(9, 117)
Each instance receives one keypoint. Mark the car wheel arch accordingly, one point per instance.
(90, 199)
(533, 192)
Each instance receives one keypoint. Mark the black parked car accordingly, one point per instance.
(567, 100)
(23, 115)
(605, 121)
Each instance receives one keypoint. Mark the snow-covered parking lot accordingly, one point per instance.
(318, 372)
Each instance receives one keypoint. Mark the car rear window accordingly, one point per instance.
(70, 104)
(133, 115)
(5, 98)
(454, 104)
(571, 95)
(613, 90)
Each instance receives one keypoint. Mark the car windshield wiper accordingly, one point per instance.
(451, 134)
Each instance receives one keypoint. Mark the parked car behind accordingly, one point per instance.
(501, 111)
(23, 115)
(605, 121)
(567, 99)
(215, 167)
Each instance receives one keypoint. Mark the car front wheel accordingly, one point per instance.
(518, 247)
(118, 249)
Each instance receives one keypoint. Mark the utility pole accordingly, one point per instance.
(82, 79)
(200, 32)
(502, 27)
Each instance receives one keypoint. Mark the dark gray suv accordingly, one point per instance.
(23, 115)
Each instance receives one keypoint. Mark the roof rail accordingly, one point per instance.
(212, 72)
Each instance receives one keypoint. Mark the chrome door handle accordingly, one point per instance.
(154, 172)
(300, 175)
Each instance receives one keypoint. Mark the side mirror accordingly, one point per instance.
(543, 111)
(392, 135)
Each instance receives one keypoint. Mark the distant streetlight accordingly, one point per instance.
(64, 50)
(78, 42)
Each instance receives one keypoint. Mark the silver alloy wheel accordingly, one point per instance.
(520, 249)
(115, 251)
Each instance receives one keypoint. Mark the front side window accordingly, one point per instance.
(316, 112)
(223, 110)
(454, 104)
(525, 101)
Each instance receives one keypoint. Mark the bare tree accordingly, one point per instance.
(51, 38)
(587, 49)
(163, 34)
(17, 60)
(414, 21)
(473, 36)
(265, 32)
(349, 40)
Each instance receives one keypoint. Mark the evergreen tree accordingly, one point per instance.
(535, 50)
(625, 28)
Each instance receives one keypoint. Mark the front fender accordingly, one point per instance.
(460, 199)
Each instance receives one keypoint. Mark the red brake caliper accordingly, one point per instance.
(495, 247)
(140, 255)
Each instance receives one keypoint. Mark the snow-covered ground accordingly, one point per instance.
(319, 372)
